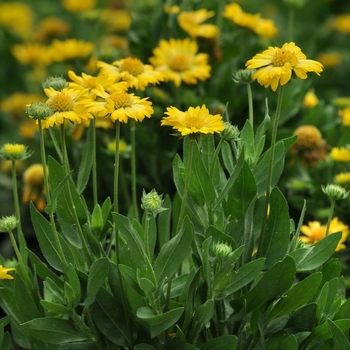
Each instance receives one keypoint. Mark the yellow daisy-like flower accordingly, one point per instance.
(51, 27)
(278, 65)
(342, 23)
(191, 23)
(116, 20)
(310, 99)
(330, 59)
(70, 49)
(118, 105)
(179, 61)
(342, 102)
(76, 6)
(343, 178)
(32, 54)
(194, 120)
(314, 232)
(63, 103)
(133, 71)
(340, 154)
(4, 273)
(345, 116)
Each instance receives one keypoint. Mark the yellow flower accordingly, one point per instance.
(194, 120)
(171, 10)
(133, 71)
(14, 105)
(343, 178)
(345, 116)
(4, 273)
(310, 99)
(14, 151)
(63, 103)
(70, 49)
(191, 23)
(342, 23)
(118, 105)
(263, 27)
(51, 27)
(314, 232)
(279, 65)
(32, 54)
(342, 102)
(329, 59)
(179, 61)
(341, 154)
(78, 5)
(116, 20)
(18, 17)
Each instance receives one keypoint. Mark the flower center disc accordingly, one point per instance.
(179, 63)
(60, 103)
(133, 66)
(284, 57)
(194, 122)
(90, 82)
(121, 100)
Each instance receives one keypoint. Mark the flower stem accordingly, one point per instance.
(187, 183)
(250, 104)
(133, 169)
(64, 151)
(271, 162)
(94, 164)
(330, 215)
(43, 161)
(116, 166)
(147, 235)
(215, 157)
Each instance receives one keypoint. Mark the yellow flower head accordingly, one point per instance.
(133, 71)
(14, 151)
(191, 23)
(314, 232)
(310, 99)
(70, 49)
(345, 116)
(118, 105)
(116, 20)
(50, 27)
(343, 178)
(254, 22)
(178, 60)
(4, 273)
(330, 59)
(194, 120)
(342, 23)
(62, 104)
(15, 104)
(340, 154)
(278, 65)
(32, 53)
(78, 5)
(342, 102)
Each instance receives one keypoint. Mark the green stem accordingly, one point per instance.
(133, 169)
(291, 15)
(64, 150)
(56, 145)
(147, 235)
(43, 161)
(116, 166)
(330, 215)
(250, 104)
(187, 183)
(21, 238)
(94, 164)
(271, 163)
(215, 157)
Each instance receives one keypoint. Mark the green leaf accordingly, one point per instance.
(303, 318)
(144, 346)
(164, 223)
(318, 254)
(247, 135)
(246, 274)
(205, 312)
(159, 323)
(225, 342)
(241, 193)
(135, 244)
(73, 279)
(78, 346)
(290, 343)
(56, 308)
(173, 252)
(52, 330)
(277, 280)
(277, 234)
(227, 157)
(322, 332)
(300, 294)
(86, 160)
(97, 276)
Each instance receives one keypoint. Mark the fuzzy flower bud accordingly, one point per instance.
(230, 133)
(39, 110)
(243, 76)
(152, 202)
(335, 192)
(14, 151)
(8, 223)
(57, 83)
(222, 250)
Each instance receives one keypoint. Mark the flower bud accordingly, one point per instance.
(57, 83)
(335, 192)
(222, 250)
(14, 151)
(39, 110)
(243, 76)
(230, 133)
(152, 202)
(8, 223)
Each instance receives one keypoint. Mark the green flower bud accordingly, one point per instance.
(152, 202)
(230, 133)
(335, 192)
(222, 250)
(243, 76)
(8, 223)
(39, 110)
(14, 151)
(57, 83)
